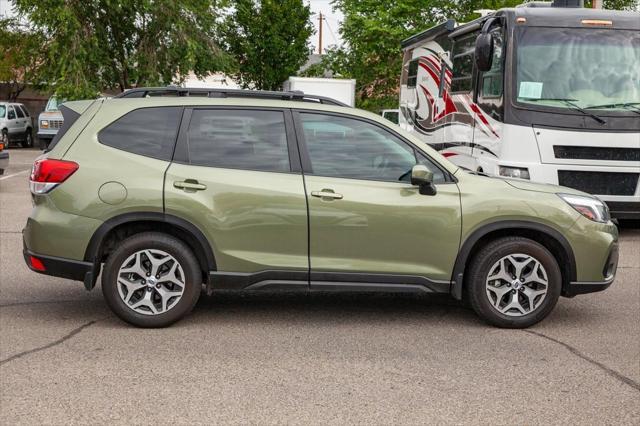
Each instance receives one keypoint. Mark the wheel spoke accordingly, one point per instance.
(166, 295)
(131, 288)
(532, 295)
(137, 267)
(514, 303)
(501, 273)
(499, 292)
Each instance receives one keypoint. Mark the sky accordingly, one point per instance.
(331, 24)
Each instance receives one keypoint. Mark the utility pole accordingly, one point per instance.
(320, 19)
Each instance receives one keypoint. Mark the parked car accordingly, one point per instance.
(4, 156)
(274, 190)
(15, 124)
(49, 122)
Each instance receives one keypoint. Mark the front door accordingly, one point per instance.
(367, 223)
(233, 177)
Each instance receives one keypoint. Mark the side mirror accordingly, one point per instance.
(484, 51)
(422, 177)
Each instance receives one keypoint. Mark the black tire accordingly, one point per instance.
(28, 139)
(4, 137)
(154, 241)
(487, 257)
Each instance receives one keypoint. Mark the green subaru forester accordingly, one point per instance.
(244, 190)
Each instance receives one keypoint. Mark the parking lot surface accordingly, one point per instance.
(265, 358)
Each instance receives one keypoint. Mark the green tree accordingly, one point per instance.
(20, 57)
(98, 45)
(269, 40)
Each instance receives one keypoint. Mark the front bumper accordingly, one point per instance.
(575, 288)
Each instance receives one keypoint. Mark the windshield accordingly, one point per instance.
(578, 67)
(53, 104)
(3, 110)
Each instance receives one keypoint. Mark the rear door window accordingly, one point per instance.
(19, 112)
(25, 110)
(147, 131)
(238, 139)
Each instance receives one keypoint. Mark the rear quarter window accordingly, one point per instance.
(147, 131)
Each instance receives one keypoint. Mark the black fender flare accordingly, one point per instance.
(457, 278)
(95, 244)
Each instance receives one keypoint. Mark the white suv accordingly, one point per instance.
(15, 124)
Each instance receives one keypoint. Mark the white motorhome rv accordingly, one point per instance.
(545, 91)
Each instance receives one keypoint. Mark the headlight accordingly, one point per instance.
(44, 124)
(514, 172)
(589, 207)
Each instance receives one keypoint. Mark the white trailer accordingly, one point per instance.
(342, 90)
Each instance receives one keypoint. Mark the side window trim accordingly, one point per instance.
(306, 160)
(181, 152)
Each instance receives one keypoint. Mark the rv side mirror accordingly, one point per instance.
(484, 51)
(422, 177)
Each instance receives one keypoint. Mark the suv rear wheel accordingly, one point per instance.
(151, 280)
(514, 282)
(28, 139)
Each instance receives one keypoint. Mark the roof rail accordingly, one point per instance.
(295, 95)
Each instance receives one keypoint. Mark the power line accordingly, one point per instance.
(335, 39)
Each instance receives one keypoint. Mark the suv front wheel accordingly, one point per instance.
(151, 280)
(514, 282)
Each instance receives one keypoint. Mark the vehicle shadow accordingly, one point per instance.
(328, 308)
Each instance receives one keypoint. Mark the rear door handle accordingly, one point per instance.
(189, 184)
(326, 194)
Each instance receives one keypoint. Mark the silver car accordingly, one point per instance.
(15, 124)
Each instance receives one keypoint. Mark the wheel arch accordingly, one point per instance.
(550, 238)
(125, 225)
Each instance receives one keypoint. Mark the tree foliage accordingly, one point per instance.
(268, 39)
(97, 45)
(372, 32)
(20, 56)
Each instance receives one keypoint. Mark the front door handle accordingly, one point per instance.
(189, 184)
(326, 194)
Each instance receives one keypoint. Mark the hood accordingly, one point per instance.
(542, 187)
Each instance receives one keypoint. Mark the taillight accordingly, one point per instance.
(46, 174)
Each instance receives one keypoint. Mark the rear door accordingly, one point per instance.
(13, 124)
(236, 175)
(21, 120)
(367, 223)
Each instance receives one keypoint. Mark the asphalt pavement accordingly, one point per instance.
(268, 358)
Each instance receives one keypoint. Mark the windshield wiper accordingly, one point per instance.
(630, 106)
(571, 103)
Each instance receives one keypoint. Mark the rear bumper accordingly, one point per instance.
(86, 272)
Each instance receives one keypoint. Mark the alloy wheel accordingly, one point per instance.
(517, 285)
(151, 282)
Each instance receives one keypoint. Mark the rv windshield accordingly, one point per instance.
(578, 67)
